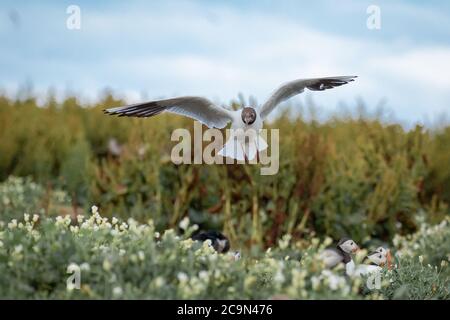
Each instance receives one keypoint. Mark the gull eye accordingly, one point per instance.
(351, 243)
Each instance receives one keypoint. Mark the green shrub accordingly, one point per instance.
(19, 195)
(129, 260)
(422, 259)
(345, 176)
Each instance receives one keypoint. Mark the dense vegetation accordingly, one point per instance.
(347, 176)
(355, 176)
(117, 259)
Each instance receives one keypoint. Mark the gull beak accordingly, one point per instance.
(355, 249)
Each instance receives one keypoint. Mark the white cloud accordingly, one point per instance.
(218, 52)
(424, 67)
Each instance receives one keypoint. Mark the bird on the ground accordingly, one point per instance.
(218, 241)
(377, 259)
(387, 253)
(245, 141)
(340, 254)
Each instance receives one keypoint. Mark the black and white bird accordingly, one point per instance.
(378, 256)
(386, 253)
(373, 262)
(218, 241)
(340, 254)
(245, 141)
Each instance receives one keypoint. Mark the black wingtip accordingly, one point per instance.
(110, 113)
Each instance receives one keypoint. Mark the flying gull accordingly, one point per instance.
(246, 122)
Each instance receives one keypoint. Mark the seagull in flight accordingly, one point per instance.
(246, 123)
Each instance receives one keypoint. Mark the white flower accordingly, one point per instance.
(85, 266)
(141, 255)
(26, 217)
(184, 224)
(334, 281)
(80, 218)
(59, 220)
(117, 291)
(159, 282)
(421, 259)
(94, 209)
(35, 217)
(207, 243)
(327, 241)
(115, 220)
(182, 277)
(203, 275)
(123, 226)
(315, 281)
(279, 277)
(18, 248)
(106, 265)
(12, 224)
(283, 243)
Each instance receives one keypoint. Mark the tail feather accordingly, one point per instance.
(250, 150)
(238, 150)
(261, 143)
(233, 149)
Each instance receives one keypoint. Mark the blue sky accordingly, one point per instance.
(147, 50)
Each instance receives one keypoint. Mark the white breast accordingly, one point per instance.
(350, 268)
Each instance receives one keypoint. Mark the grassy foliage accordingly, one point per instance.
(346, 176)
(126, 260)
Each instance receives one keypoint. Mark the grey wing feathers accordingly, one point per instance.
(295, 87)
(197, 108)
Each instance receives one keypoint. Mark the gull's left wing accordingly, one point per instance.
(295, 87)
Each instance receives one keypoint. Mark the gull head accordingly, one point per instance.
(248, 115)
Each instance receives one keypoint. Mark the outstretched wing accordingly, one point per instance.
(295, 87)
(197, 108)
